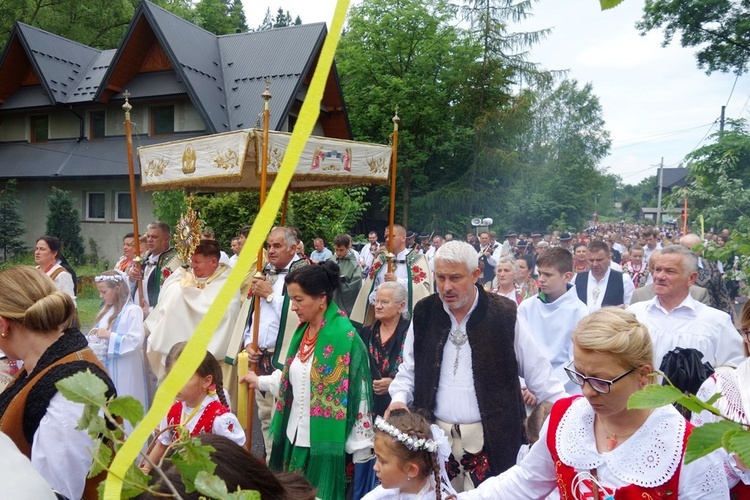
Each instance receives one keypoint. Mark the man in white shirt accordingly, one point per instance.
(463, 354)
(235, 251)
(408, 267)
(369, 251)
(602, 286)
(675, 319)
(652, 243)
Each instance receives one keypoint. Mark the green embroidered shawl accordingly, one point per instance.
(339, 380)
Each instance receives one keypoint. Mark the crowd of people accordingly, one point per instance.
(416, 368)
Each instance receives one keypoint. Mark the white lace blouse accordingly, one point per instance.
(649, 458)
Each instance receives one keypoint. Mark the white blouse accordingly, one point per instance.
(359, 441)
(63, 281)
(649, 458)
(59, 452)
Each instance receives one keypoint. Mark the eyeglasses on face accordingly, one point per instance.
(598, 384)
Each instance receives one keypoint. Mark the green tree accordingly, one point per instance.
(220, 16)
(94, 23)
(11, 222)
(326, 213)
(64, 222)
(718, 29)
(411, 54)
(281, 20)
(226, 213)
(169, 206)
(561, 183)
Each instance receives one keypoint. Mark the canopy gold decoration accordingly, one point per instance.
(231, 162)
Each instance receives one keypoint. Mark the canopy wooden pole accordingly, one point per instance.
(392, 215)
(283, 207)
(137, 260)
(685, 213)
(259, 261)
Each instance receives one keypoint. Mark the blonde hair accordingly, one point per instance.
(617, 332)
(30, 298)
(121, 298)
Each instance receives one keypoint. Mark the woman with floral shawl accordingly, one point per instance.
(324, 393)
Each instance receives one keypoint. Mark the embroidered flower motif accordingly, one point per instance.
(346, 359)
(327, 351)
(477, 465)
(418, 275)
(339, 415)
(452, 467)
(342, 313)
(165, 272)
(374, 269)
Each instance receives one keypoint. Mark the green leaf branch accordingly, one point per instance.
(102, 419)
(733, 436)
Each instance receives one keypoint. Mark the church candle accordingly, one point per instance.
(242, 392)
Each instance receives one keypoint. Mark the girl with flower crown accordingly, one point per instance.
(411, 456)
(117, 337)
(201, 408)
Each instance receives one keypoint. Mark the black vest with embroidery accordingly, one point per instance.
(491, 334)
(614, 295)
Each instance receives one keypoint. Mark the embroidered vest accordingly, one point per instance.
(566, 473)
(491, 334)
(205, 423)
(614, 295)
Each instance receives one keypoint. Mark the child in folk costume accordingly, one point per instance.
(117, 337)
(411, 456)
(201, 408)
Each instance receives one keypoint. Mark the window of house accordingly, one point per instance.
(162, 120)
(95, 206)
(97, 124)
(39, 128)
(123, 207)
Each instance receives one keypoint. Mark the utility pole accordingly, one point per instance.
(721, 120)
(661, 182)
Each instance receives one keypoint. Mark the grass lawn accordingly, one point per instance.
(87, 309)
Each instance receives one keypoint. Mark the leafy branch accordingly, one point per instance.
(102, 419)
(733, 436)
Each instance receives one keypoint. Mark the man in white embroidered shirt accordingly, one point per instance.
(675, 319)
(463, 355)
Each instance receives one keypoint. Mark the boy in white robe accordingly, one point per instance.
(554, 312)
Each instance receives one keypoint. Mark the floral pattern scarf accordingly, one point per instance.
(339, 380)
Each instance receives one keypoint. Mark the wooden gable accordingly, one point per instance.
(16, 70)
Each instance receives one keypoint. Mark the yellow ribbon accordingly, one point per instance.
(195, 350)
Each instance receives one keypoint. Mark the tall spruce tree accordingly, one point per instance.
(11, 222)
(64, 222)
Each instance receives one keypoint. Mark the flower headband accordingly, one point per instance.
(410, 441)
(115, 277)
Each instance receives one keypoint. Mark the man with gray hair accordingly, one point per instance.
(160, 262)
(463, 354)
(675, 319)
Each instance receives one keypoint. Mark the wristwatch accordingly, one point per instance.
(269, 298)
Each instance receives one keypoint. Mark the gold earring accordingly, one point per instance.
(4, 334)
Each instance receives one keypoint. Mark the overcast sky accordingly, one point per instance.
(656, 102)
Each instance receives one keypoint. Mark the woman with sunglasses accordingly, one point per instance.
(594, 446)
(734, 385)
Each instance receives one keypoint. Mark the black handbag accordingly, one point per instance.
(686, 370)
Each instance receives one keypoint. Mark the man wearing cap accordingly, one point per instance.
(409, 267)
(412, 241)
(510, 243)
(565, 242)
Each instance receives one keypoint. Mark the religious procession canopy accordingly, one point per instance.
(232, 162)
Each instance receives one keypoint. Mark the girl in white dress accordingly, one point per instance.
(201, 408)
(411, 456)
(118, 336)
